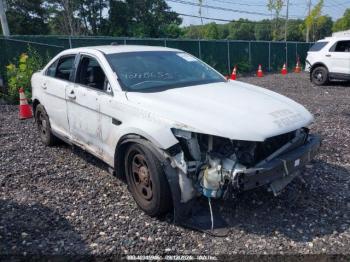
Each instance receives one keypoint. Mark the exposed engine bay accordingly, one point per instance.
(215, 166)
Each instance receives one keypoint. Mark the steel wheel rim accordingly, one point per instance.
(318, 76)
(140, 176)
(42, 123)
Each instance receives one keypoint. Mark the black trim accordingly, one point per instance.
(116, 122)
(280, 167)
(339, 76)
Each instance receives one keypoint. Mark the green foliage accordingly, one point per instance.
(322, 28)
(263, 31)
(315, 15)
(20, 72)
(244, 66)
(342, 23)
(27, 17)
(210, 31)
(243, 29)
(276, 7)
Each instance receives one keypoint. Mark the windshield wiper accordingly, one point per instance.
(147, 81)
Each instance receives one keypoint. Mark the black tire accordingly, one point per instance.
(147, 181)
(44, 128)
(319, 76)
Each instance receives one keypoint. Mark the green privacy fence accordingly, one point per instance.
(220, 54)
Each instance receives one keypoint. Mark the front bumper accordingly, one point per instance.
(307, 66)
(281, 169)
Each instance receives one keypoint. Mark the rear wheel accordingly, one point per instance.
(147, 181)
(319, 76)
(43, 124)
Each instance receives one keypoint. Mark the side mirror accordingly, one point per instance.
(109, 88)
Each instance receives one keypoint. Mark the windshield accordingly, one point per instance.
(151, 71)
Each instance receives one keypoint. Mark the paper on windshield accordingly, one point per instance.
(187, 57)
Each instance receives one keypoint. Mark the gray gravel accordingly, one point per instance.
(61, 200)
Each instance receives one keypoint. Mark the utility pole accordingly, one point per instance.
(3, 20)
(286, 23)
(307, 27)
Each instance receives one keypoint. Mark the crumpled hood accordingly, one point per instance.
(234, 110)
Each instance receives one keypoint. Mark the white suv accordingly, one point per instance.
(329, 59)
(170, 124)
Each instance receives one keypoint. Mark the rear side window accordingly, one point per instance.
(64, 67)
(317, 46)
(341, 46)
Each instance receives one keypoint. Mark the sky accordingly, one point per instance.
(250, 9)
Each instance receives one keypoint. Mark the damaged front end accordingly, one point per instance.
(218, 167)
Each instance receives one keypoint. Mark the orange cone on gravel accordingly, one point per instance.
(297, 67)
(234, 73)
(25, 110)
(259, 73)
(284, 70)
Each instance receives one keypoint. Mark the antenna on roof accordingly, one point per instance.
(114, 43)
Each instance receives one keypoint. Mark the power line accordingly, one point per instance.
(219, 8)
(225, 20)
(227, 9)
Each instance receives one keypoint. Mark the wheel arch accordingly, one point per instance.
(123, 144)
(36, 102)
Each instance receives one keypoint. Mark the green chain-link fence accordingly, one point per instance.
(220, 54)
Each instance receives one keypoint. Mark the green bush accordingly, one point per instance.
(20, 72)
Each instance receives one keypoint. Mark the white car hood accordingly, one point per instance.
(234, 110)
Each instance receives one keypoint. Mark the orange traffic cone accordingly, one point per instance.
(234, 73)
(25, 110)
(284, 70)
(259, 73)
(297, 67)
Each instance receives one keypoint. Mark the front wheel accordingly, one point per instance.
(319, 76)
(147, 181)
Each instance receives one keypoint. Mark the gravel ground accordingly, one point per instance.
(61, 200)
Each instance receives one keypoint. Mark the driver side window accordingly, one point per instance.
(91, 74)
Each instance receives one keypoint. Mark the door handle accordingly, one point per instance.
(71, 95)
(328, 55)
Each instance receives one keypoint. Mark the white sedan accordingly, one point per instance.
(170, 124)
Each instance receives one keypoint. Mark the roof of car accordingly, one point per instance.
(112, 49)
(335, 38)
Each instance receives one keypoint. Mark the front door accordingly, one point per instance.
(83, 103)
(339, 56)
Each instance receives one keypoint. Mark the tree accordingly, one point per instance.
(242, 29)
(76, 17)
(262, 30)
(276, 7)
(118, 18)
(63, 18)
(193, 31)
(149, 18)
(295, 30)
(314, 16)
(27, 17)
(210, 31)
(342, 23)
(322, 27)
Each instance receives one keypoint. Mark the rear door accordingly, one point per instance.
(339, 57)
(84, 98)
(57, 78)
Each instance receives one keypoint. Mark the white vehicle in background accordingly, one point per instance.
(329, 59)
(171, 124)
